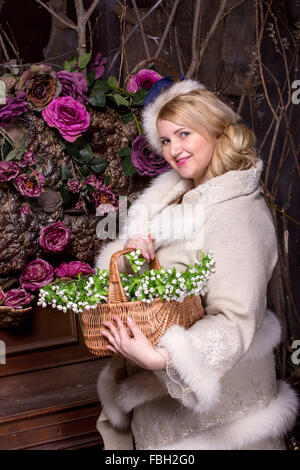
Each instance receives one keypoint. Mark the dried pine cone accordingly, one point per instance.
(84, 242)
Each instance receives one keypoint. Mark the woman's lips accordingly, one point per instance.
(182, 161)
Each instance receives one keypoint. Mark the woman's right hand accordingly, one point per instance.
(145, 244)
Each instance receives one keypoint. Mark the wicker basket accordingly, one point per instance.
(13, 317)
(153, 319)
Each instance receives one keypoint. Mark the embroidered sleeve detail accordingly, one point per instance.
(176, 386)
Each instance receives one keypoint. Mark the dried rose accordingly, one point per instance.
(68, 116)
(55, 237)
(145, 78)
(12, 109)
(74, 186)
(25, 209)
(8, 171)
(40, 85)
(105, 200)
(29, 186)
(95, 181)
(16, 298)
(145, 161)
(36, 274)
(74, 84)
(28, 158)
(2, 296)
(10, 83)
(97, 65)
(73, 268)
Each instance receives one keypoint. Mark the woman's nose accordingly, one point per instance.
(175, 148)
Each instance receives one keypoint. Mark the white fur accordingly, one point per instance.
(272, 421)
(108, 388)
(151, 111)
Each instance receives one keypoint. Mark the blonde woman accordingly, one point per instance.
(214, 385)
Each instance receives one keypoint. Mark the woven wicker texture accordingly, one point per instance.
(153, 318)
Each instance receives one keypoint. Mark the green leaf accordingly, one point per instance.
(139, 96)
(106, 179)
(113, 82)
(101, 85)
(70, 64)
(97, 97)
(125, 152)
(85, 171)
(91, 78)
(85, 155)
(120, 100)
(65, 173)
(127, 117)
(17, 153)
(66, 193)
(83, 60)
(98, 164)
(128, 167)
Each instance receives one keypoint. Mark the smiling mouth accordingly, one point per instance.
(182, 161)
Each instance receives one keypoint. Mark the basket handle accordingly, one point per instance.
(116, 293)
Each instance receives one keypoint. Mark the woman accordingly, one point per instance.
(212, 386)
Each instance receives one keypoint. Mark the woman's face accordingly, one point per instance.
(185, 150)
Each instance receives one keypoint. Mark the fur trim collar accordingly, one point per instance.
(151, 111)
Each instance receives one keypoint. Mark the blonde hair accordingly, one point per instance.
(235, 143)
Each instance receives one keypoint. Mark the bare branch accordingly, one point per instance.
(91, 9)
(193, 64)
(141, 28)
(212, 30)
(166, 31)
(63, 19)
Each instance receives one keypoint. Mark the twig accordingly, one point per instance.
(193, 64)
(141, 28)
(10, 43)
(164, 37)
(91, 9)
(4, 48)
(211, 31)
(37, 63)
(113, 61)
(62, 18)
(178, 50)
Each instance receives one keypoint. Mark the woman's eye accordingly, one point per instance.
(164, 141)
(184, 134)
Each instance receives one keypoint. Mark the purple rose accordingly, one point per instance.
(36, 274)
(29, 186)
(2, 296)
(74, 186)
(73, 268)
(97, 65)
(12, 109)
(145, 161)
(16, 298)
(25, 209)
(69, 117)
(74, 84)
(55, 237)
(95, 181)
(105, 200)
(145, 78)
(8, 170)
(28, 158)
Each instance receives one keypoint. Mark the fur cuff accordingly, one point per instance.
(108, 386)
(139, 389)
(203, 382)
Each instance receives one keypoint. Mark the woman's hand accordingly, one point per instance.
(145, 244)
(138, 349)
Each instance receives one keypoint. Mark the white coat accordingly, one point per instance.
(219, 390)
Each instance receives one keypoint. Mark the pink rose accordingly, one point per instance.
(16, 298)
(74, 186)
(8, 170)
(73, 268)
(2, 296)
(25, 209)
(145, 78)
(36, 274)
(54, 237)
(29, 186)
(69, 117)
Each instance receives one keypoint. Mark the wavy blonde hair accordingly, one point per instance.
(235, 143)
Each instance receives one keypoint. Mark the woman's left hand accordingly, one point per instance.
(138, 349)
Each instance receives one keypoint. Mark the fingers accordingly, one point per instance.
(112, 334)
(145, 244)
